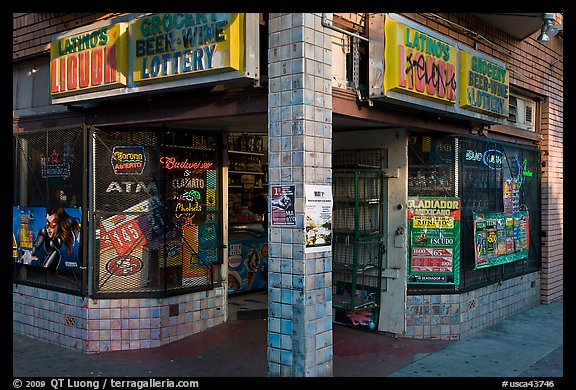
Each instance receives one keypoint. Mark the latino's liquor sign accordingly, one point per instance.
(434, 240)
(89, 60)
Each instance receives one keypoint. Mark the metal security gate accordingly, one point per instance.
(156, 211)
(358, 247)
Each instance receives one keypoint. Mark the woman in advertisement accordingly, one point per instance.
(60, 229)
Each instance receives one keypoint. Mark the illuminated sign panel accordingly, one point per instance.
(176, 45)
(483, 85)
(89, 61)
(419, 64)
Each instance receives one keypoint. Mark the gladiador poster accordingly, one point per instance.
(318, 218)
(47, 237)
(500, 238)
(434, 240)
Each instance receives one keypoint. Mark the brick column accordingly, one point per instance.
(300, 153)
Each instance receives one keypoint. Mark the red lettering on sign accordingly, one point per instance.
(89, 68)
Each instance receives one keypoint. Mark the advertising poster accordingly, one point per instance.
(511, 195)
(434, 240)
(47, 237)
(318, 218)
(500, 238)
(282, 206)
(247, 262)
(125, 241)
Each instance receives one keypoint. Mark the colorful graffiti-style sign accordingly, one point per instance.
(419, 64)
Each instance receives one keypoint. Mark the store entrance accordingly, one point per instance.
(247, 225)
(369, 248)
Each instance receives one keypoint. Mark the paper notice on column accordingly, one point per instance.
(318, 217)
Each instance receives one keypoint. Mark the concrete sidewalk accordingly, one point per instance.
(529, 344)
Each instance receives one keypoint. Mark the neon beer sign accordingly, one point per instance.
(170, 162)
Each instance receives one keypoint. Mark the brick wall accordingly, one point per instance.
(32, 32)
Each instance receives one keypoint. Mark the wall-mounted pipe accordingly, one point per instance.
(328, 24)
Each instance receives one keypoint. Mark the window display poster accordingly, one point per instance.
(47, 237)
(500, 238)
(434, 240)
(318, 218)
(282, 206)
(511, 195)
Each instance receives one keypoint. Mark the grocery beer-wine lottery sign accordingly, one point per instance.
(169, 45)
(89, 61)
(434, 240)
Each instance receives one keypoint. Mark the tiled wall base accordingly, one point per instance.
(456, 316)
(113, 324)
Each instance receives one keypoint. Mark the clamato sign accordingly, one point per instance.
(88, 61)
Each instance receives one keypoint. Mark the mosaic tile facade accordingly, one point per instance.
(457, 316)
(113, 324)
(300, 153)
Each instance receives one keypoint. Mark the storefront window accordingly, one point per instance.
(500, 191)
(156, 198)
(496, 186)
(47, 209)
(157, 209)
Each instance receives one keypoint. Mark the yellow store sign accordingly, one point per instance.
(483, 85)
(89, 61)
(176, 45)
(419, 64)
